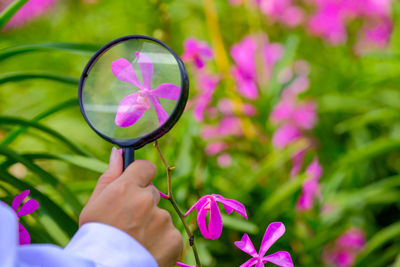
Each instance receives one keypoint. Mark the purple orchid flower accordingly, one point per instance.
(310, 188)
(196, 51)
(274, 232)
(133, 106)
(30, 206)
(184, 265)
(208, 203)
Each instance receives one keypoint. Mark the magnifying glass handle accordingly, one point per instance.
(128, 154)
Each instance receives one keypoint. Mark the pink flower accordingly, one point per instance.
(31, 10)
(27, 208)
(208, 204)
(345, 248)
(133, 106)
(207, 85)
(228, 126)
(282, 10)
(272, 234)
(216, 147)
(197, 52)
(224, 160)
(286, 134)
(310, 188)
(245, 71)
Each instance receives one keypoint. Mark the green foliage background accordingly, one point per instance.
(46, 146)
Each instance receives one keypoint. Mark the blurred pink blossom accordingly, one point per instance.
(285, 134)
(284, 11)
(272, 234)
(215, 148)
(310, 189)
(345, 249)
(228, 126)
(224, 160)
(245, 71)
(207, 85)
(208, 204)
(31, 10)
(197, 52)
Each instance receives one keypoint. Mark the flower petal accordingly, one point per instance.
(129, 111)
(184, 265)
(249, 263)
(162, 115)
(146, 68)
(280, 258)
(274, 232)
(168, 91)
(232, 205)
(124, 71)
(197, 205)
(30, 206)
(18, 199)
(215, 223)
(24, 238)
(246, 245)
(214, 229)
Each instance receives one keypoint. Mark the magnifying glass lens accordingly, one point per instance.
(131, 89)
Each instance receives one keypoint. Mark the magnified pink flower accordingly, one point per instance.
(27, 208)
(133, 106)
(208, 204)
(345, 248)
(272, 234)
(197, 52)
(310, 188)
(31, 10)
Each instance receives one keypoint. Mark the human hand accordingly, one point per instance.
(127, 201)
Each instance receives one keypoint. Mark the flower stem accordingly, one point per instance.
(175, 205)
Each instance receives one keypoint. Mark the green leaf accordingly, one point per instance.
(239, 224)
(61, 106)
(46, 177)
(85, 162)
(10, 10)
(378, 240)
(41, 127)
(77, 48)
(22, 76)
(63, 220)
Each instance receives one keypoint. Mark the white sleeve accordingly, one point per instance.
(108, 246)
(94, 245)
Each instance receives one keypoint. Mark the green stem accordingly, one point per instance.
(7, 14)
(175, 205)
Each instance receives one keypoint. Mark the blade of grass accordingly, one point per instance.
(11, 136)
(22, 76)
(77, 48)
(10, 10)
(45, 129)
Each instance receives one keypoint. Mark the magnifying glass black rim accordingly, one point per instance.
(173, 118)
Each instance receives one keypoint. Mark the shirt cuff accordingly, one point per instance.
(109, 246)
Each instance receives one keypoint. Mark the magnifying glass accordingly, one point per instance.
(132, 91)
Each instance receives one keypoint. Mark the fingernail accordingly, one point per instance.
(114, 155)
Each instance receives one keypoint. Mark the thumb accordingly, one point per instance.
(113, 171)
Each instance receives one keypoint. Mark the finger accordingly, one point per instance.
(154, 192)
(113, 171)
(139, 173)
